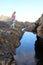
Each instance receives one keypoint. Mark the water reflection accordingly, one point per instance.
(25, 54)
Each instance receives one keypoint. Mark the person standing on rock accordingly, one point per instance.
(13, 19)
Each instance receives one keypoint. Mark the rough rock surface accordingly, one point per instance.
(40, 31)
(39, 25)
(30, 27)
(7, 61)
(9, 41)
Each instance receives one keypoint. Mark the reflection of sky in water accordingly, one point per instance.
(25, 53)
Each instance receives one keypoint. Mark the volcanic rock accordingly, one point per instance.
(39, 48)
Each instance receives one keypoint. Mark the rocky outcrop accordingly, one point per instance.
(39, 21)
(6, 38)
(30, 27)
(39, 41)
(39, 48)
(9, 41)
(40, 31)
(39, 25)
(7, 61)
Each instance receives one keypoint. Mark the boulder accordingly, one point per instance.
(9, 41)
(40, 31)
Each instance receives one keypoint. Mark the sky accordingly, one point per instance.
(26, 10)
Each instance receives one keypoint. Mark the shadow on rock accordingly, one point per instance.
(39, 48)
(40, 62)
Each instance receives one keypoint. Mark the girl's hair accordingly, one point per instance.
(14, 12)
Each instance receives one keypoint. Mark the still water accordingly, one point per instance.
(25, 53)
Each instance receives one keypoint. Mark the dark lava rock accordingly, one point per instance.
(39, 48)
(40, 62)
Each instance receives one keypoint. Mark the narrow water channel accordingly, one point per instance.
(25, 54)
